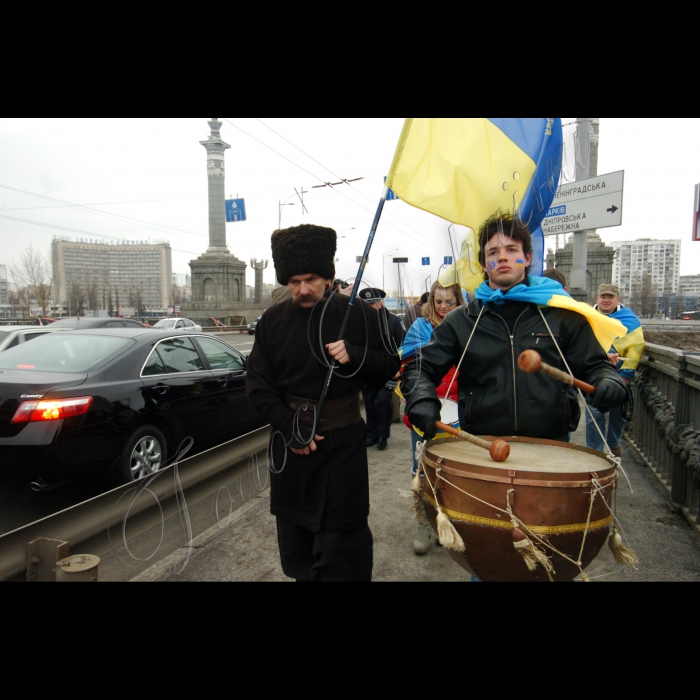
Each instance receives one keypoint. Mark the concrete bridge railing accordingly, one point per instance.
(665, 427)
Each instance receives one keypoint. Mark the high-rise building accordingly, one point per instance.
(659, 259)
(110, 276)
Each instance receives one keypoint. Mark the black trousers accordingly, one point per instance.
(324, 556)
(379, 408)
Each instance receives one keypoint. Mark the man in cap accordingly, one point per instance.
(319, 480)
(624, 355)
(416, 311)
(378, 401)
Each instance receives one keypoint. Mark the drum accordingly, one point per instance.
(449, 413)
(546, 485)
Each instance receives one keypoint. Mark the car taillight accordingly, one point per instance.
(30, 411)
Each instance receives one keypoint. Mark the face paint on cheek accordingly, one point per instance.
(519, 263)
(490, 267)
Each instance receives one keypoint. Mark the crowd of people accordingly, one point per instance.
(322, 346)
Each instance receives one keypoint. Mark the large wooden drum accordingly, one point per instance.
(547, 485)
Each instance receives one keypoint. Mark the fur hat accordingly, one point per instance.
(303, 250)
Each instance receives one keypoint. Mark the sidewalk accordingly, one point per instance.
(245, 549)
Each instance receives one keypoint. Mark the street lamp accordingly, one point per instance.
(279, 208)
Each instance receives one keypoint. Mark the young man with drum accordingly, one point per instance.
(485, 338)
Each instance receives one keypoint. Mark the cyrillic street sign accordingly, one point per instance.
(586, 204)
(235, 210)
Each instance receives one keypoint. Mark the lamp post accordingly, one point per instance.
(279, 208)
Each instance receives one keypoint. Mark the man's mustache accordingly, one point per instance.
(303, 298)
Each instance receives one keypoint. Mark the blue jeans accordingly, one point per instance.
(613, 436)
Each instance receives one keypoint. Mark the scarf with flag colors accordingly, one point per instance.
(631, 346)
(548, 292)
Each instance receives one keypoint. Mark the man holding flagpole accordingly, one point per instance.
(512, 312)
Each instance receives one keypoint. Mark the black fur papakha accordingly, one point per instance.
(303, 250)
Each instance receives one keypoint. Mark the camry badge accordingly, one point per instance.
(32, 396)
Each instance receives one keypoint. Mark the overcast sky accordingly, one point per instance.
(146, 178)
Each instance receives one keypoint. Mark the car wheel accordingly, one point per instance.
(144, 452)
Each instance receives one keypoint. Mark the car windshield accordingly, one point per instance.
(62, 352)
(166, 323)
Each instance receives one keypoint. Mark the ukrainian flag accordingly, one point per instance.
(631, 346)
(467, 170)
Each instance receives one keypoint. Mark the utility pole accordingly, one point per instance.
(586, 154)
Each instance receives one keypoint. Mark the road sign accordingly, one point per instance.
(400, 260)
(586, 204)
(425, 261)
(448, 260)
(390, 194)
(235, 210)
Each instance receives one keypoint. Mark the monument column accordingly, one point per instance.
(216, 170)
(258, 266)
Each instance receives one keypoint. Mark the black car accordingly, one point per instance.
(78, 322)
(252, 326)
(117, 402)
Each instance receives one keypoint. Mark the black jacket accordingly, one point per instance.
(329, 488)
(495, 396)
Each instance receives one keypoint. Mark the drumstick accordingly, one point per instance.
(530, 361)
(498, 449)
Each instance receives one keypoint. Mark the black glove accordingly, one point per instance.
(608, 394)
(423, 415)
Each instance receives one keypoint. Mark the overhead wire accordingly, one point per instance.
(362, 194)
(316, 177)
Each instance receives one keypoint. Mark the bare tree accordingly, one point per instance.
(92, 297)
(77, 299)
(33, 275)
(644, 300)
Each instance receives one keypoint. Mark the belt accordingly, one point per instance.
(337, 413)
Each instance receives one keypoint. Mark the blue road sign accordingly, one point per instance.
(448, 260)
(425, 261)
(235, 210)
(390, 194)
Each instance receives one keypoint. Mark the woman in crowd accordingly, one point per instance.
(441, 301)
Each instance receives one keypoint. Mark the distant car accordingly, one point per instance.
(85, 323)
(178, 324)
(117, 402)
(252, 326)
(686, 318)
(11, 336)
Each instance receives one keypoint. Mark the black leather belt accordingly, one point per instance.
(337, 413)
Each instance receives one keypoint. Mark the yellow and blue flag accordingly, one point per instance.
(548, 292)
(467, 170)
(631, 346)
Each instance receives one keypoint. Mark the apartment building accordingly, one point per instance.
(660, 259)
(125, 273)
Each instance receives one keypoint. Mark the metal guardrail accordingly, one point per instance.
(95, 525)
(665, 428)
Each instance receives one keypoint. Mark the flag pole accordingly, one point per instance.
(353, 295)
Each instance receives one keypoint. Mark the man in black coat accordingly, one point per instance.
(378, 402)
(319, 476)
